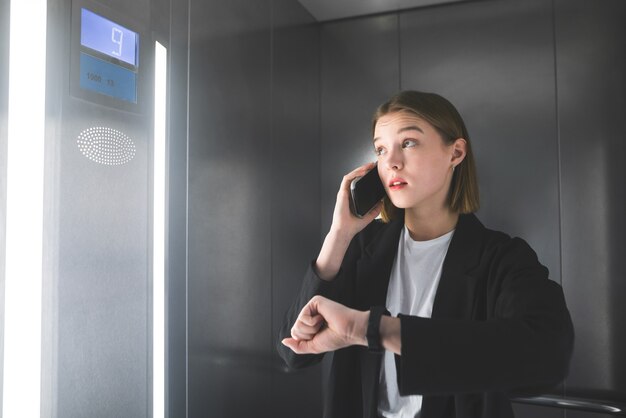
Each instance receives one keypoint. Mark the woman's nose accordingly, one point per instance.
(393, 160)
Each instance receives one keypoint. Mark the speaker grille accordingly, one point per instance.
(106, 146)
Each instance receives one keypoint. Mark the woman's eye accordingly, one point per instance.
(379, 151)
(408, 143)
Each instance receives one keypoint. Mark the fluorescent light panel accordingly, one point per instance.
(24, 230)
(158, 254)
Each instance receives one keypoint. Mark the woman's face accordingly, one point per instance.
(414, 163)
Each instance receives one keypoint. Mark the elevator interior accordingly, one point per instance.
(269, 103)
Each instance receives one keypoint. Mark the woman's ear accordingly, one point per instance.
(459, 151)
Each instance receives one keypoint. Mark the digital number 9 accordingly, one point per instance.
(117, 36)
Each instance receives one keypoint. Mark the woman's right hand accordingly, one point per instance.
(344, 227)
(345, 223)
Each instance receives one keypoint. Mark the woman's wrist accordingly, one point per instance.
(339, 236)
(390, 334)
(358, 335)
(331, 255)
(389, 331)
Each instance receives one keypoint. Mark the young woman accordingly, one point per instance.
(428, 313)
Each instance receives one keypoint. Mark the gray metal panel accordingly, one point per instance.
(129, 8)
(57, 70)
(99, 233)
(360, 70)
(494, 60)
(579, 414)
(591, 63)
(229, 209)
(4, 97)
(295, 183)
(324, 10)
(102, 279)
(532, 411)
(177, 221)
(160, 18)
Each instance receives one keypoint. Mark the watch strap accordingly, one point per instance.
(374, 343)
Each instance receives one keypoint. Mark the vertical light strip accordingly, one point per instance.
(24, 230)
(158, 254)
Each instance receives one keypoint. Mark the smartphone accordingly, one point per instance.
(365, 192)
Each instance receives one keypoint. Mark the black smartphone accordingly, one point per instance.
(365, 192)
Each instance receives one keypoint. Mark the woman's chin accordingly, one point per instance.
(400, 203)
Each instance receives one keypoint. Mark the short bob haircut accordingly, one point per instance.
(441, 114)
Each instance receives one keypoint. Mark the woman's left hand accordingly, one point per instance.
(324, 325)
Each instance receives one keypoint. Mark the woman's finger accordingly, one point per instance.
(311, 321)
(302, 336)
(374, 212)
(297, 346)
(300, 329)
(357, 172)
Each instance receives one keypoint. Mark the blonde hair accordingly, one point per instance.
(463, 195)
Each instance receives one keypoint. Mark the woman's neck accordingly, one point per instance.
(426, 226)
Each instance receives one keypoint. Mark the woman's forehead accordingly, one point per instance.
(398, 120)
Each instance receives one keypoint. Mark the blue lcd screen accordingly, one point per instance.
(108, 37)
(106, 78)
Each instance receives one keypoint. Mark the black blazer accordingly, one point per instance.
(499, 326)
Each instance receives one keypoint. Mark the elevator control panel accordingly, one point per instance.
(109, 57)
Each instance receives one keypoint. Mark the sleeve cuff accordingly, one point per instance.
(315, 285)
(413, 355)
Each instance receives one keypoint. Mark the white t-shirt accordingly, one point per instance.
(412, 287)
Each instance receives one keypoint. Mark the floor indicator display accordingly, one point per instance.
(108, 57)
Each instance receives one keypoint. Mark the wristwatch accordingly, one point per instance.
(374, 344)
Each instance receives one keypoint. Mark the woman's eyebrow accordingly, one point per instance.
(410, 128)
(406, 128)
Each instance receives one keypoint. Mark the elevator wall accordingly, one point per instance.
(4, 104)
(176, 268)
(253, 202)
(591, 83)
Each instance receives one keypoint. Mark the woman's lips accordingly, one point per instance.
(397, 184)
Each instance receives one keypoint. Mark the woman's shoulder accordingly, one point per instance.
(470, 225)
(504, 247)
